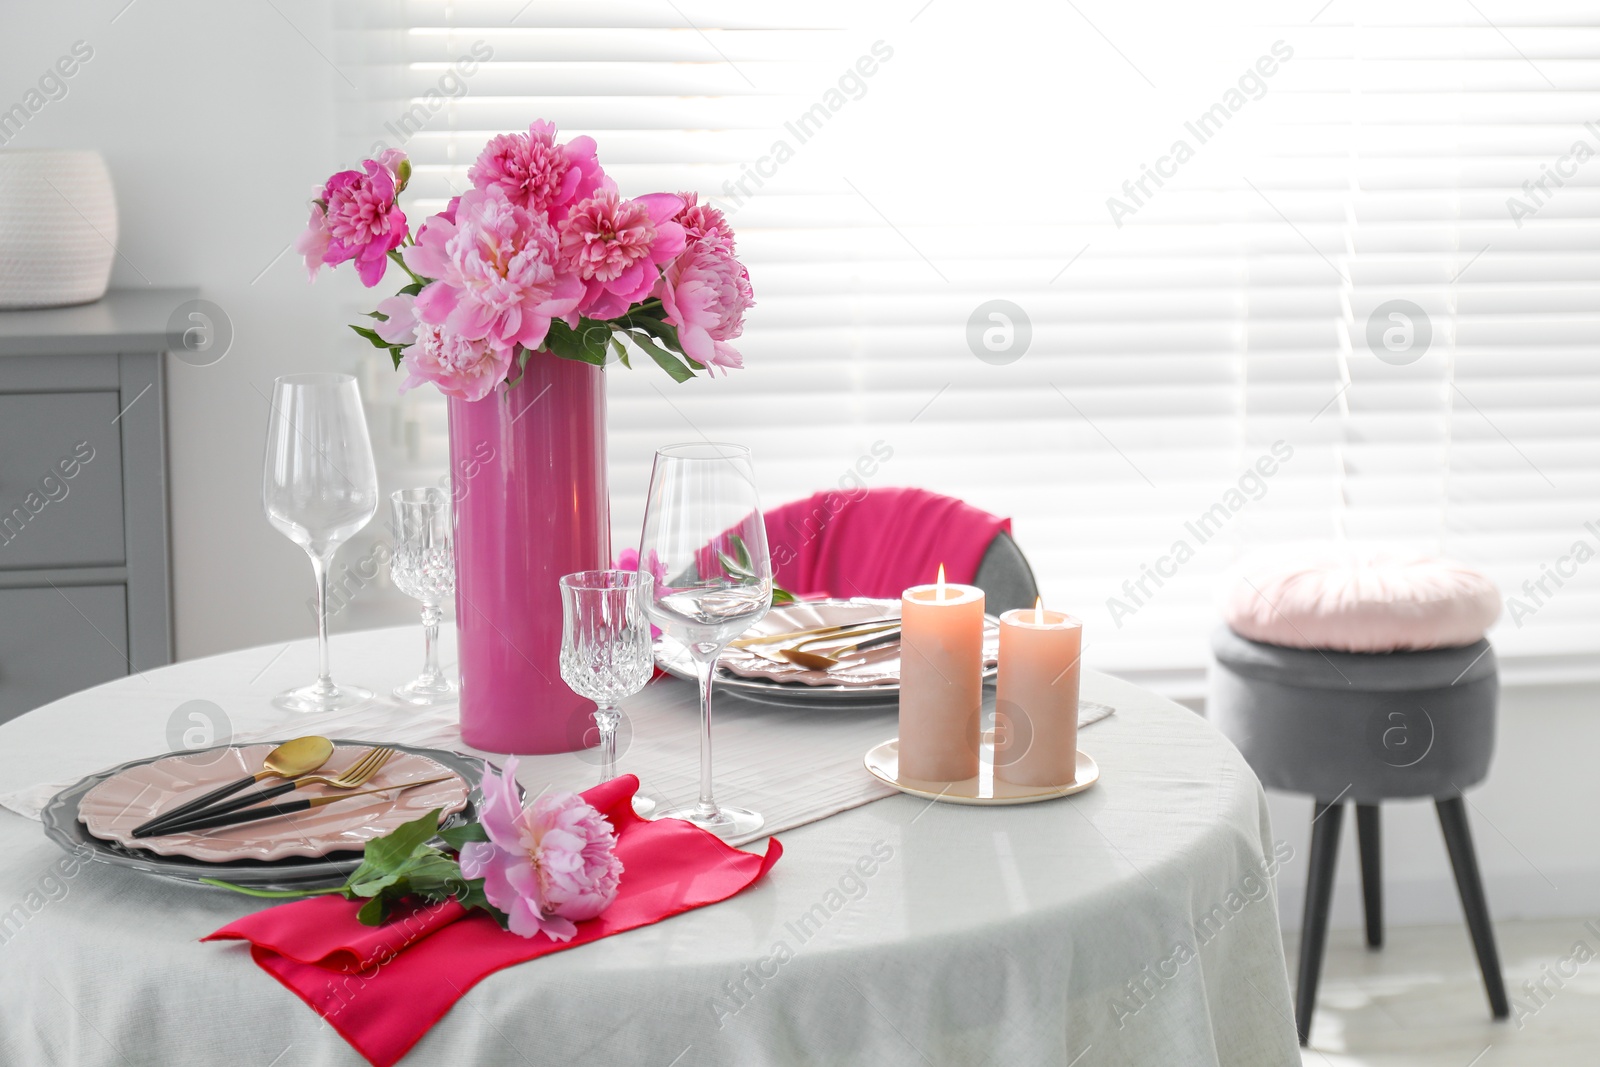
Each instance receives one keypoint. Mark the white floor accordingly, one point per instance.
(1419, 1001)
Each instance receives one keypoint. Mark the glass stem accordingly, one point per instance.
(430, 641)
(606, 718)
(319, 568)
(705, 670)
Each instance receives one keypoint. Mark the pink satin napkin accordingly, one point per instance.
(383, 987)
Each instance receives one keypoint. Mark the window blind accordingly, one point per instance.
(1128, 276)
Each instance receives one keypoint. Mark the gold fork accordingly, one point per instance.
(357, 774)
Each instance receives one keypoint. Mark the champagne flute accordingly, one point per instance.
(605, 650)
(424, 568)
(319, 488)
(705, 544)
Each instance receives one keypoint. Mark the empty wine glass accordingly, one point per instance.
(705, 544)
(424, 568)
(319, 488)
(605, 650)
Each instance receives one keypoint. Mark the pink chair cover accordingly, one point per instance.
(877, 542)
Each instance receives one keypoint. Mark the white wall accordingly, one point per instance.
(216, 119)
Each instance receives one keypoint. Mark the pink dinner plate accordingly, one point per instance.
(113, 808)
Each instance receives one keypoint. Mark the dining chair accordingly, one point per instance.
(879, 542)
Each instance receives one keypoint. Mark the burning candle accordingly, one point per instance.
(1036, 703)
(941, 681)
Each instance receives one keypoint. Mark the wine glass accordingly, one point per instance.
(705, 544)
(319, 487)
(424, 568)
(605, 650)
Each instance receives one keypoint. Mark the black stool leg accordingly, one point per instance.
(1458, 839)
(1371, 871)
(1325, 822)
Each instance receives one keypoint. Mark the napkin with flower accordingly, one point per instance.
(526, 881)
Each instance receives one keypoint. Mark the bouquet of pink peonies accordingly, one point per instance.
(541, 254)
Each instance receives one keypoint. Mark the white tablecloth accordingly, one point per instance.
(1132, 924)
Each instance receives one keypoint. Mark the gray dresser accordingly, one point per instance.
(85, 572)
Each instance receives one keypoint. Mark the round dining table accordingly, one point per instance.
(1133, 923)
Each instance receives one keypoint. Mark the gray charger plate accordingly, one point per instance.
(61, 825)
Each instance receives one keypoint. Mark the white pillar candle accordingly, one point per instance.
(941, 681)
(1036, 702)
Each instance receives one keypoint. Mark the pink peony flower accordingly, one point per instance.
(702, 222)
(705, 292)
(547, 866)
(464, 369)
(498, 272)
(360, 219)
(539, 175)
(399, 326)
(618, 248)
(313, 243)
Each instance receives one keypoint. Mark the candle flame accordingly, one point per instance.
(941, 594)
(1038, 611)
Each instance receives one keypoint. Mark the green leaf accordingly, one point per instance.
(434, 878)
(374, 911)
(587, 344)
(665, 360)
(389, 854)
(399, 865)
(471, 895)
(621, 350)
(457, 836)
(413, 289)
(371, 335)
(664, 332)
(781, 595)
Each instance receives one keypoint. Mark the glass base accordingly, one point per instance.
(320, 697)
(424, 691)
(723, 821)
(643, 807)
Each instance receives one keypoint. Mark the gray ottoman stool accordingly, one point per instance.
(1364, 728)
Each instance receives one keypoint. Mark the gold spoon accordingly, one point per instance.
(289, 760)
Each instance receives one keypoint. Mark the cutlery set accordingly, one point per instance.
(859, 636)
(294, 761)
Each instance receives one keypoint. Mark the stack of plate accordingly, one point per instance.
(304, 850)
(871, 677)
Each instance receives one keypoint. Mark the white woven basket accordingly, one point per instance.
(58, 227)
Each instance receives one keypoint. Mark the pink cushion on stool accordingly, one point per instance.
(1366, 604)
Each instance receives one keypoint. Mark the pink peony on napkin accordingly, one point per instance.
(413, 969)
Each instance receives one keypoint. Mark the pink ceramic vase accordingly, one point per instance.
(529, 471)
